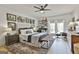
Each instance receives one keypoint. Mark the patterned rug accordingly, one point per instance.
(20, 48)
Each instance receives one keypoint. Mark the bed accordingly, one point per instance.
(29, 37)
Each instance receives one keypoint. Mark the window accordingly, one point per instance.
(60, 27)
(56, 27)
(52, 27)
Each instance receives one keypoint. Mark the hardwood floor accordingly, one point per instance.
(3, 50)
(60, 46)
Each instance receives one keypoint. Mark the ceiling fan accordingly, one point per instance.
(42, 8)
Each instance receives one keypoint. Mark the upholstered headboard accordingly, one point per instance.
(22, 29)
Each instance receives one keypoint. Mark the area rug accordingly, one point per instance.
(21, 48)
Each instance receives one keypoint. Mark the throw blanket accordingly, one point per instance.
(37, 38)
(33, 37)
(41, 37)
(29, 38)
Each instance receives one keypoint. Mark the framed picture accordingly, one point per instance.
(11, 17)
(30, 21)
(18, 18)
(23, 19)
(12, 25)
(33, 21)
(26, 20)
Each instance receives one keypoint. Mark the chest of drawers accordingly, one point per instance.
(74, 40)
(11, 39)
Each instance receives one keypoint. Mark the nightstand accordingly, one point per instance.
(11, 39)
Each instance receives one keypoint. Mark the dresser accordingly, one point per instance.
(74, 40)
(11, 39)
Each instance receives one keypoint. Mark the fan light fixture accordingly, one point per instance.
(41, 11)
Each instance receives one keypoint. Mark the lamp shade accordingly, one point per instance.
(8, 29)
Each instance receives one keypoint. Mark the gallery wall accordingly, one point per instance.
(3, 20)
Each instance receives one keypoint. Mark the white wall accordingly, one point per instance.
(76, 14)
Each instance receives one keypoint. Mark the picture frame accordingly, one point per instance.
(33, 21)
(30, 21)
(26, 20)
(11, 17)
(18, 18)
(12, 25)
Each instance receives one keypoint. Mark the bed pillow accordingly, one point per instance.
(29, 31)
(26, 31)
(23, 31)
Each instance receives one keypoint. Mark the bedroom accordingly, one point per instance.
(24, 31)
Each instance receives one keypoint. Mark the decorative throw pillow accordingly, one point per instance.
(27, 32)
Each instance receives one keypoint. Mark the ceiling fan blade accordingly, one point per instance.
(37, 11)
(47, 9)
(45, 5)
(36, 7)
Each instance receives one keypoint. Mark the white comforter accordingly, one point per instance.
(25, 36)
(35, 37)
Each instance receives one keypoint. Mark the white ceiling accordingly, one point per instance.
(28, 9)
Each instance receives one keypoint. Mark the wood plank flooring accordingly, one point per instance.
(60, 46)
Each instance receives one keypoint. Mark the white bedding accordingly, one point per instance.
(25, 36)
(34, 39)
